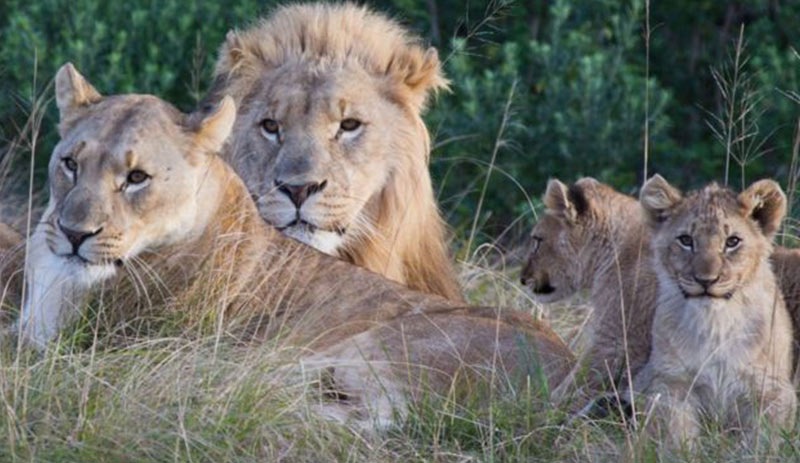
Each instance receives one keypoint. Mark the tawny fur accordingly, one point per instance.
(373, 337)
(11, 263)
(721, 333)
(308, 67)
(786, 265)
(594, 238)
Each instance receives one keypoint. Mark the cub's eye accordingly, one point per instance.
(70, 164)
(536, 241)
(732, 242)
(135, 177)
(350, 124)
(270, 126)
(686, 241)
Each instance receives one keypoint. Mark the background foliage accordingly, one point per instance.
(539, 89)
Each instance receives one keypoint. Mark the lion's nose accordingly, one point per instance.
(300, 193)
(77, 237)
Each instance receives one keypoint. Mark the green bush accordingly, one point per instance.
(566, 81)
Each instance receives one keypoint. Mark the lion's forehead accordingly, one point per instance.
(301, 90)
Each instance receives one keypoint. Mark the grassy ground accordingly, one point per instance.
(177, 395)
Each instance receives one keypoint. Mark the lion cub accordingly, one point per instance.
(721, 333)
(593, 238)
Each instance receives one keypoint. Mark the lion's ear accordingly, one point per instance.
(420, 72)
(232, 51)
(214, 128)
(659, 198)
(73, 91)
(765, 203)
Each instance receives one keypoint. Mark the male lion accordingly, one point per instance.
(721, 333)
(329, 138)
(594, 238)
(134, 182)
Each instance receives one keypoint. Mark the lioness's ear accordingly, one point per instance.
(420, 71)
(213, 129)
(765, 203)
(73, 91)
(658, 198)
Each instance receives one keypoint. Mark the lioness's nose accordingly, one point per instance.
(77, 237)
(300, 193)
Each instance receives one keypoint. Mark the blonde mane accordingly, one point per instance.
(403, 236)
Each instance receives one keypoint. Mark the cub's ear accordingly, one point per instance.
(569, 203)
(659, 198)
(214, 128)
(765, 203)
(73, 91)
(420, 72)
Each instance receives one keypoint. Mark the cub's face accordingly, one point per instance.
(316, 146)
(552, 268)
(712, 242)
(125, 175)
(708, 248)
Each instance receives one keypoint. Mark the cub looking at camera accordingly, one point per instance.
(721, 333)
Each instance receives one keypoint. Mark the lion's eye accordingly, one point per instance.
(135, 177)
(350, 124)
(686, 241)
(732, 242)
(270, 126)
(70, 164)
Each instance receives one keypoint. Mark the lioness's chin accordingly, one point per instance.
(322, 240)
(83, 272)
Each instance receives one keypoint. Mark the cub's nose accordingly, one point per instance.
(300, 193)
(706, 282)
(77, 237)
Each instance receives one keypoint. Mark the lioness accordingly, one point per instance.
(329, 138)
(594, 238)
(134, 182)
(721, 333)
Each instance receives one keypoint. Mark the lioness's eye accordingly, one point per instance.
(732, 242)
(686, 241)
(348, 125)
(270, 126)
(70, 164)
(136, 177)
